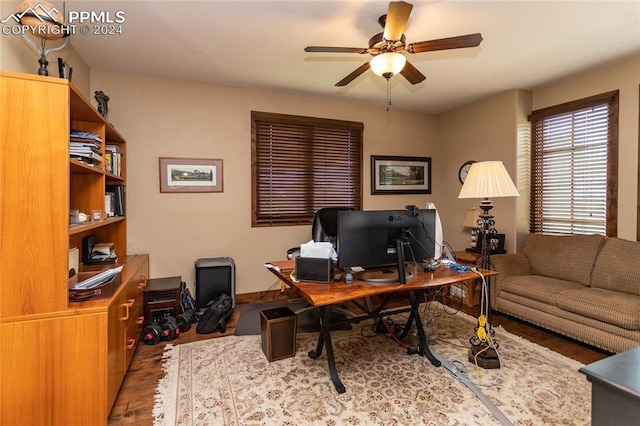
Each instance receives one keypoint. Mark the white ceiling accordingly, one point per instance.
(259, 45)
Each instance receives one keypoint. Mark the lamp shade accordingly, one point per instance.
(387, 64)
(42, 19)
(488, 179)
(471, 219)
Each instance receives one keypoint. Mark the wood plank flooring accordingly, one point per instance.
(135, 400)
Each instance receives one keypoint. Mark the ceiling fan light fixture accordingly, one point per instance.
(388, 64)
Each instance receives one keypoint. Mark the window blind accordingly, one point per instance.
(574, 167)
(300, 164)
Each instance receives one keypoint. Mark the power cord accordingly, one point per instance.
(482, 332)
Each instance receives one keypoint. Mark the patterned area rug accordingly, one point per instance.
(228, 381)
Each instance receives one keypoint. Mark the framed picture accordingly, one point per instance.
(190, 175)
(400, 175)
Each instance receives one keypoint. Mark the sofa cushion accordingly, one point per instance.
(618, 267)
(537, 287)
(568, 257)
(613, 307)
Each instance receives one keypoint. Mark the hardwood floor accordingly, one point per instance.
(135, 401)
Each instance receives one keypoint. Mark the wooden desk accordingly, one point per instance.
(469, 258)
(325, 296)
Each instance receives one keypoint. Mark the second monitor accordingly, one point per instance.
(383, 239)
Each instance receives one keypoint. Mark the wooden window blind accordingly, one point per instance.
(300, 164)
(574, 167)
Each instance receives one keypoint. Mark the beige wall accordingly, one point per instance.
(497, 129)
(169, 118)
(624, 76)
(483, 131)
(16, 55)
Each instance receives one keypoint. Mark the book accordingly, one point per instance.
(103, 249)
(117, 192)
(115, 159)
(103, 253)
(79, 134)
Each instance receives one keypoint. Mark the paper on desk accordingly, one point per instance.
(96, 280)
(322, 250)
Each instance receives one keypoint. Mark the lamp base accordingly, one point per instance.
(487, 359)
(482, 352)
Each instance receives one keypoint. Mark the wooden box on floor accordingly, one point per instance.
(278, 330)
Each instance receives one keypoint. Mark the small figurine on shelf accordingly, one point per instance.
(103, 106)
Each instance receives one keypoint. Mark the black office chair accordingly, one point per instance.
(324, 227)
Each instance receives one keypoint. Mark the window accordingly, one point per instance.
(300, 164)
(574, 167)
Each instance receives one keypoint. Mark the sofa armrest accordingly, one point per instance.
(507, 265)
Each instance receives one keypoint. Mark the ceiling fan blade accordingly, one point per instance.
(469, 40)
(348, 79)
(412, 74)
(397, 17)
(330, 49)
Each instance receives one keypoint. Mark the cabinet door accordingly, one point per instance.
(52, 371)
(34, 183)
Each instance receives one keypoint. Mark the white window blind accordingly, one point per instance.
(301, 164)
(573, 172)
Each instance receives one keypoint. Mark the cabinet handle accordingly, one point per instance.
(127, 307)
(140, 320)
(143, 282)
(131, 343)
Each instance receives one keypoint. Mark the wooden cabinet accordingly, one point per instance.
(61, 362)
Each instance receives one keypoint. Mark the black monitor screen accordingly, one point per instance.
(368, 238)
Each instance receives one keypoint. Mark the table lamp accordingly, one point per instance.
(471, 221)
(43, 21)
(487, 179)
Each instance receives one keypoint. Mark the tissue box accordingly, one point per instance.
(314, 269)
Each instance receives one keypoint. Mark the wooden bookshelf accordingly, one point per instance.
(67, 359)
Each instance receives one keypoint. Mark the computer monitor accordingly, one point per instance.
(370, 239)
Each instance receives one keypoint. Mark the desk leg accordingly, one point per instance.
(415, 313)
(325, 336)
(313, 354)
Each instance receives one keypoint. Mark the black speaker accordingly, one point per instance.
(214, 276)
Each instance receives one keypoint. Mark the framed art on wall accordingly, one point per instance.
(400, 175)
(190, 175)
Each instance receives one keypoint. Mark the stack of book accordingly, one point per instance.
(113, 160)
(114, 200)
(103, 253)
(85, 147)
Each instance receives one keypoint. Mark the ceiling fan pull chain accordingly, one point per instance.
(388, 94)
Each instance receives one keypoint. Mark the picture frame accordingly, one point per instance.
(400, 175)
(190, 175)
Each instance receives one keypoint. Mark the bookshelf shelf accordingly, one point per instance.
(79, 229)
(80, 167)
(114, 178)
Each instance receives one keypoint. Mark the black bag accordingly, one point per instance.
(187, 303)
(215, 317)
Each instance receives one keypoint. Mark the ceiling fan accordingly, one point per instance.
(387, 47)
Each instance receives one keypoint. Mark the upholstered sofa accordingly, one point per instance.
(586, 287)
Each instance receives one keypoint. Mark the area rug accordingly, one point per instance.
(228, 381)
